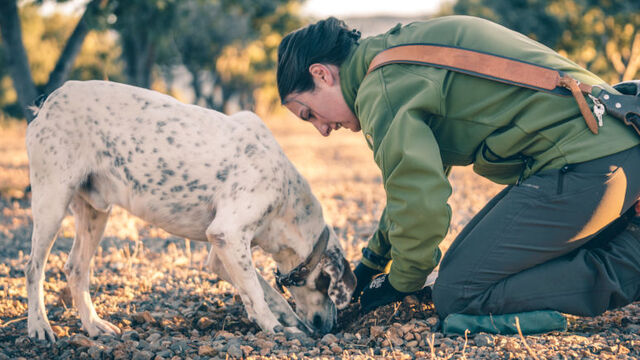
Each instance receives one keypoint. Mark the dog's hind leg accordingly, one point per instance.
(48, 205)
(90, 224)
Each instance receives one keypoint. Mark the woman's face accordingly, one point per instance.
(324, 106)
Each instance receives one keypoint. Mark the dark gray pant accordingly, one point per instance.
(541, 245)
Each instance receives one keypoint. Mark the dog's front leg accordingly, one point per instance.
(278, 305)
(281, 308)
(232, 248)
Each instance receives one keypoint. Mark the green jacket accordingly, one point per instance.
(420, 120)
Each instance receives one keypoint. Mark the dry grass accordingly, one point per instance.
(151, 282)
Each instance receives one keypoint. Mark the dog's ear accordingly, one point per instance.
(342, 280)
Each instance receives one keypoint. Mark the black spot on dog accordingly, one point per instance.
(177, 188)
(223, 174)
(170, 140)
(250, 150)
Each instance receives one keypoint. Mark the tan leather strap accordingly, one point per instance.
(490, 67)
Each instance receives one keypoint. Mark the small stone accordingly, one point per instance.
(411, 300)
(512, 346)
(329, 339)
(376, 331)
(80, 341)
(22, 342)
(59, 331)
(246, 350)
(335, 348)
(130, 335)
(412, 343)
(153, 337)
(432, 321)
(165, 354)
(64, 298)
(225, 335)
(483, 339)
(235, 351)
(142, 355)
(204, 323)
(206, 350)
(120, 354)
(95, 352)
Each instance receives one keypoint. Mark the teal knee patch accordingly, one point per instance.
(532, 322)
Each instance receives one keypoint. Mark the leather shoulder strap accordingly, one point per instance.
(492, 67)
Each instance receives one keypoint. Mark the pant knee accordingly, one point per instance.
(447, 299)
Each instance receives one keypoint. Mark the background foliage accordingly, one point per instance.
(227, 48)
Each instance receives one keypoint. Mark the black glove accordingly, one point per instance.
(378, 293)
(364, 275)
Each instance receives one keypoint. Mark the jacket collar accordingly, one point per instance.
(352, 72)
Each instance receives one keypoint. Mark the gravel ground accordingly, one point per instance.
(152, 285)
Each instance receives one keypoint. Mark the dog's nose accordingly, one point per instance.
(323, 323)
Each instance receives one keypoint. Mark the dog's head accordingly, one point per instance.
(328, 287)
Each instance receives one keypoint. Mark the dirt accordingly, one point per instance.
(154, 288)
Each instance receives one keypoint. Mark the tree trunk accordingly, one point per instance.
(139, 55)
(71, 50)
(17, 56)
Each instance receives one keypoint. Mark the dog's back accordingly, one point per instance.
(164, 161)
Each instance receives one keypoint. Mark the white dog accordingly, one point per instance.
(194, 172)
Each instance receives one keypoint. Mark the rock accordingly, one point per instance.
(483, 339)
(59, 331)
(235, 351)
(153, 337)
(80, 341)
(142, 355)
(264, 344)
(336, 349)
(64, 298)
(512, 346)
(165, 354)
(224, 335)
(329, 339)
(143, 317)
(411, 300)
(204, 323)
(246, 350)
(95, 352)
(412, 344)
(376, 331)
(130, 335)
(120, 354)
(22, 342)
(206, 350)
(432, 321)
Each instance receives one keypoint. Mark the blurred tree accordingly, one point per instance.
(227, 46)
(16, 55)
(601, 35)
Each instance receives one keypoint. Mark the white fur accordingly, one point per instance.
(194, 172)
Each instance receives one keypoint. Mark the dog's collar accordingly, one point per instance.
(298, 276)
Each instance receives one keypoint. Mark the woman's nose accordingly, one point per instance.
(323, 129)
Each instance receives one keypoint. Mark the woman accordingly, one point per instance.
(539, 244)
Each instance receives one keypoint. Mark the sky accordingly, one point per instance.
(324, 8)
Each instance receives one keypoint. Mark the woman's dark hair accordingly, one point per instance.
(328, 41)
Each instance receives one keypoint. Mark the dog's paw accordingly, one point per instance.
(41, 330)
(101, 327)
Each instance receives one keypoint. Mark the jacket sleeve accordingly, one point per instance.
(417, 192)
(395, 107)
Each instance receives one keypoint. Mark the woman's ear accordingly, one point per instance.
(323, 74)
